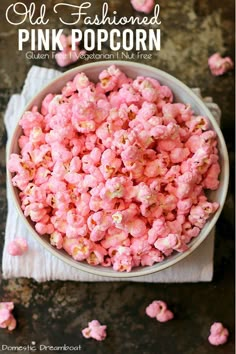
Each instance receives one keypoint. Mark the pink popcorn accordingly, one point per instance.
(122, 259)
(76, 225)
(17, 247)
(115, 188)
(129, 156)
(219, 65)
(114, 172)
(169, 145)
(218, 334)
(65, 58)
(148, 91)
(145, 6)
(198, 216)
(176, 112)
(143, 194)
(79, 248)
(7, 319)
(171, 111)
(36, 211)
(123, 140)
(136, 173)
(211, 179)
(152, 211)
(95, 330)
(155, 168)
(159, 228)
(42, 175)
(69, 89)
(172, 174)
(147, 111)
(45, 103)
(198, 124)
(178, 155)
(125, 215)
(137, 227)
(58, 220)
(110, 164)
(193, 143)
(153, 256)
(128, 112)
(140, 247)
(165, 96)
(68, 56)
(167, 244)
(158, 309)
(29, 120)
(176, 224)
(114, 237)
(141, 83)
(128, 94)
(208, 138)
(184, 206)
(81, 81)
(111, 78)
(167, 202)
(97, 255)
(190, 231)
(183, 190)
(98, 224)
(56, 240)
(25, 168)
(43, 228)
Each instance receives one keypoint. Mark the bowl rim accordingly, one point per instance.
(102, 271)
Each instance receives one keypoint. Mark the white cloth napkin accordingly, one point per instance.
(39, 264)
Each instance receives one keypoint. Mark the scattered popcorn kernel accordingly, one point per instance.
(218, 334)
(158, 309)
(95, 330)
(7, 319)
(68, 56)
(17, 247)
(219, 65)
(145, 6)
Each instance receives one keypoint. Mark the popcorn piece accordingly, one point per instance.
(68, 56)
(167, 244)
(122, 260)
(184, 206)
(137, 227)
(145, 6)
(218, 334)
(7, 319)
(56, 239)
(158, 309)
(219, 65)
(111, 78)
(152, 257)
(114, 237)
(17, 247)
(110, 164)
(178, 155)
(211, 179)
(95, 330)
(159, 228)
(79, 248)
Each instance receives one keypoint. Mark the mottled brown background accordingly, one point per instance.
(53, 313)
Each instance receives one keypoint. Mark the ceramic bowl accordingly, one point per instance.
(181, 94)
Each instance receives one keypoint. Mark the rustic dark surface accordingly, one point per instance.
(53, 313)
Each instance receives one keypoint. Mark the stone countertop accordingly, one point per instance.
(53, 313)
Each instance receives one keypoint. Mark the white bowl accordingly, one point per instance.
(181, 94)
